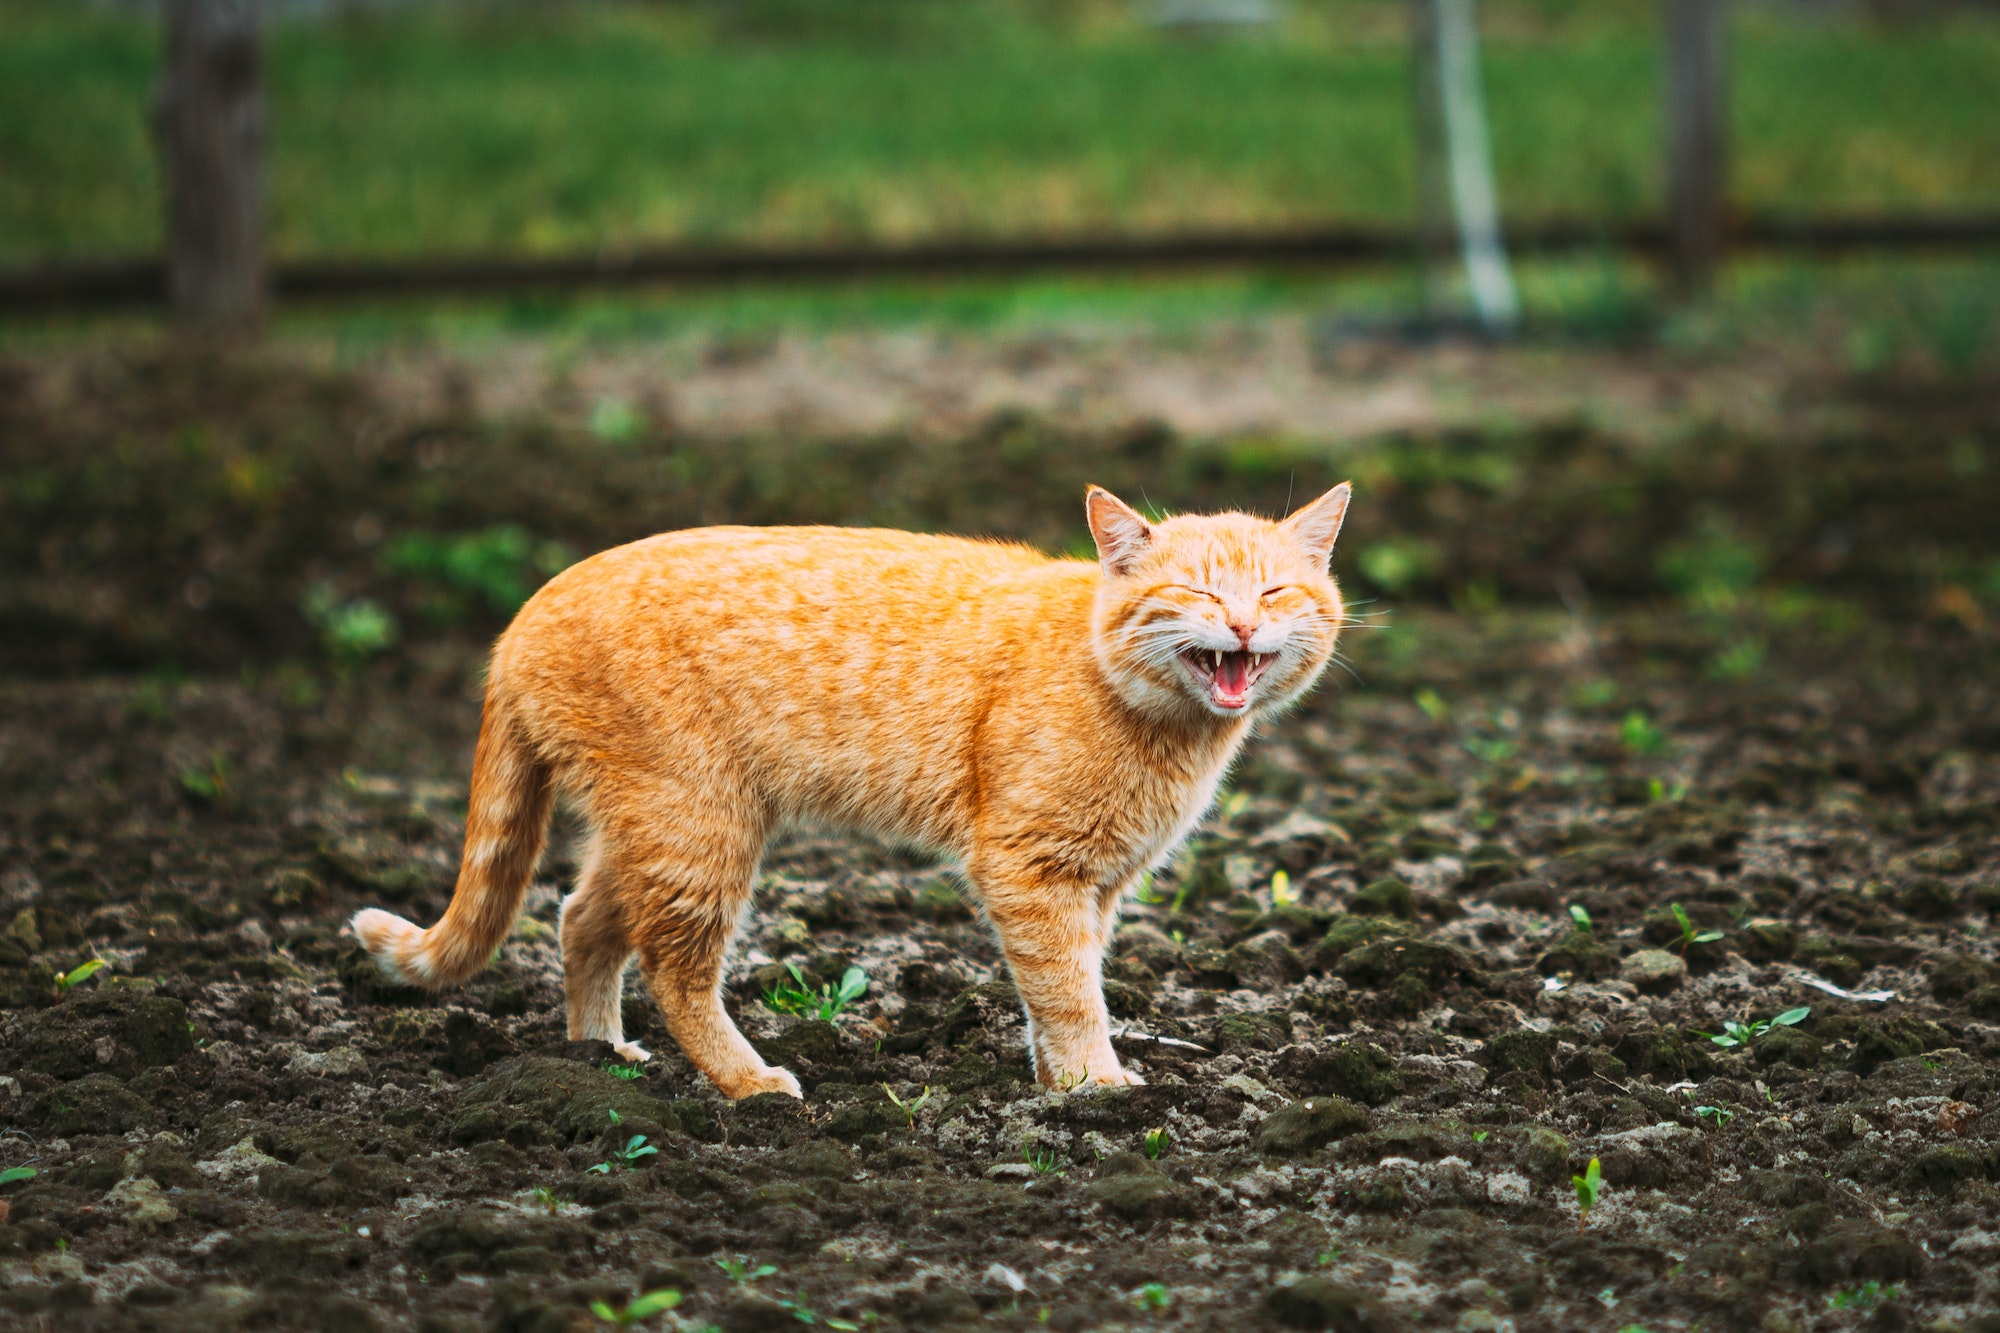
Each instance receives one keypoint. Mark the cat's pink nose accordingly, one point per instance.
(1242, 633)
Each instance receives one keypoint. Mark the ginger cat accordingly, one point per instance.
(1059, 726)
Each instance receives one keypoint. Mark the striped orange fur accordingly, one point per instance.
(1055, 725)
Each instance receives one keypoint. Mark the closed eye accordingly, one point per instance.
(1273, 592)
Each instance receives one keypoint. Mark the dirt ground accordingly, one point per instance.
(1421, 967)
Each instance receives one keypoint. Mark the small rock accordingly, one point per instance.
(1654, 971)
(139, 1201)
(1385, 897)
(1509, 1189)
(1134, 1189)
(340, 1062)
(243, 1159)
(1309, 1123)
(1010, 1171)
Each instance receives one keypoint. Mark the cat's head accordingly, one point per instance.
(1223, 615)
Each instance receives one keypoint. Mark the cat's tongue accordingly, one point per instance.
(1232, 680)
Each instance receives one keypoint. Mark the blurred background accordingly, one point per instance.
(331, 325)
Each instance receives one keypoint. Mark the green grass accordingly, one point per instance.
(553, 129)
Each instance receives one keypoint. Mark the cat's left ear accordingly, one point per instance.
(1316, 525)
(1120, 533)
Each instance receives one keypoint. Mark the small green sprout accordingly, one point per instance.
(14, 1174)
(1432, 704)
(1589, 1186)
(1720, 1115)
(635, 1148)
(826, 1004)
(911, 1107)
(1689, 935)
(545, 1199)
(740, 1271)
(76, 976)
(641, 1307)
(1145, 892)
(210, 784)
(1152, 1296)
(1156, 1143)
(1579, 914)
(1639, 734)
(1481, 1135)
(1864, 1297)
(1045, 1162)
(805, 1315)
(1282, 892)
(1328, 1257)
(1739, 1034)
(630, 1073)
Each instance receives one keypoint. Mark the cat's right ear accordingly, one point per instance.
(1122, 536)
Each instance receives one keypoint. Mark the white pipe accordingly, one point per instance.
(1471, 160)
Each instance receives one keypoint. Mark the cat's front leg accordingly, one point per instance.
(1053, 937)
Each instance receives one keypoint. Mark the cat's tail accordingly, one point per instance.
(505, 825)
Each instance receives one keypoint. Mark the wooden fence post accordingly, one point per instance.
(211, 136)
(1697, 139)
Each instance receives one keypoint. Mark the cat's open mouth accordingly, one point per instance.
(1228, 676)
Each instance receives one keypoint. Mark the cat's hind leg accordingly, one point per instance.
(684, 866)
(595, 949)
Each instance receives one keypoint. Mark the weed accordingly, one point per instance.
(211, 784)
(1580, 915)
(1156, 1143)
(1481, 1135)
(1328, 1257)
(1589, 1186)
(635, 1148)
(740, 1270)
(630, 1073)
(496, 568)
(350, 631)
(1738, 1034)
(805, 1315)
(14, 1174)
(1741, 660)
(825, 1005)
(1639, 734)
(911, 1107)
(545, 1199)
(1432, 704)
(1689, 935)
(1495, 750)
(1864, 1297)
(640, 1307)
(76, 976)
(628, 1156)
(1145, 892)
(1152, 1296)
(1719, 1115)
(1282, 892)
(1045, 1161)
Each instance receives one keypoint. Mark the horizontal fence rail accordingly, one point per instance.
(141, 282)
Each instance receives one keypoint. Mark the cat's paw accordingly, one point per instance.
(1118, 1078)
(631, 1052)
(768, 1079)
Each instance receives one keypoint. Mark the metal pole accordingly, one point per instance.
(1697, 139)
(1471, 159)
(211, 134)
